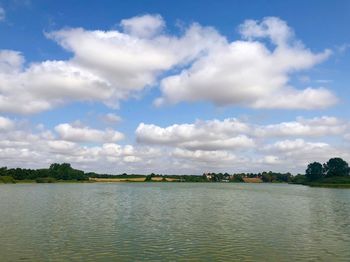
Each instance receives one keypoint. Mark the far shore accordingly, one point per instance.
(136, 179)
(315, 176)
(161, 180)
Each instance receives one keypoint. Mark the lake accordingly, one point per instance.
(173, 222)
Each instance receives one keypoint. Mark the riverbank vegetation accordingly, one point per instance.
(55, 173)
(334, 173)
(65, 173)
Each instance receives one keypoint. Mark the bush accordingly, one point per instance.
(7, 180)
(237, 179)
(45, 180)
(335, 180)
(299, 179)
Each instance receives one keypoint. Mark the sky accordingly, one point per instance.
(174, 87)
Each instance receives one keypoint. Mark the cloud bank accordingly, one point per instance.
(228, 145)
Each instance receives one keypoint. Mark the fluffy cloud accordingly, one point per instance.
(86, 134)
(132, 61)
(247, 72)
(202, 135)
(143, 26)
(61, 146)
(297, 153)
(20, 146)
(296, 145)
(216, 145)
(232, 133)
(270, 160)
(44, 85)
(229, 145)
(106, 66)
(10, 61)
(318, 126)
(110, 66)
(309, 98)
(205, 156)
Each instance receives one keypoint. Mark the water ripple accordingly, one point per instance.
(173, 222)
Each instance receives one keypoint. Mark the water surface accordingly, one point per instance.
(173, 222)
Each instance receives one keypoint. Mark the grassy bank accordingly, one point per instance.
(114, 180)
(331, 182)
(28, 181)
(133, 179)
(329, 185)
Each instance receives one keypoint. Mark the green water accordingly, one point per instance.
(173, 222)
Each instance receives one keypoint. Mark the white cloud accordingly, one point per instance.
(61, 146)
(110, 66)
(131, 62)
(232, 143)
(10, 61)
(296, 145)
(249, 73)
(309, 98)
(271, 27)
(106, 66)
(314, 127)
(232, 133)
(143, 26)
(86, 134)
(270, 160)
(202, 135)
(229, 145)
(44, 85)
(132, 159)
(205, 156)
(296, 154)
(21, 147)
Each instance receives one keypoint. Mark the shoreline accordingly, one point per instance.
(138, 180)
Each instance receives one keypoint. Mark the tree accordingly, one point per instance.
(148, 178)
(314, 171)
(3, 171)
(237, 178)
(64, 171)
(336, 167)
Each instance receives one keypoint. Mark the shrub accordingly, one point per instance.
(45, 180)
(7, 180)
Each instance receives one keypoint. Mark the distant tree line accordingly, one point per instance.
(335, 170)
(124, 175)
(178, 178)
(54, 172)
(268, 177)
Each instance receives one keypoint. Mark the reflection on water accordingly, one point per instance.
(173, 221)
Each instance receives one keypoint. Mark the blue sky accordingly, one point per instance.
(174, 86)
